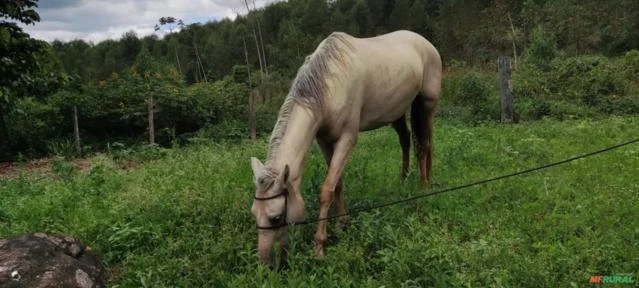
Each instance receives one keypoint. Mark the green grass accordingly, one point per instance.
(183, 220)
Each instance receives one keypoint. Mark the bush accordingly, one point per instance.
(578, 86)
(227, 130)
(62, 148)
(529, 109)
(219, 101)
(138, 152)
(30, 124)
(541, 50)
(470, 97)
(630, 63)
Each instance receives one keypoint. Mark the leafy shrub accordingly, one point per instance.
(630, 63)
(219, 101)
(266, 117)
(62, 168)
(61, 147)
(470, 97)
(541, 50)
(529, 109)
(140, 152)
(578, 86)
(227, 130)
(31, 123)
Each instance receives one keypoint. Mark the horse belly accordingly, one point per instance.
(387, 101)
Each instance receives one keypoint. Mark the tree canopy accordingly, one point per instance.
(279, 36)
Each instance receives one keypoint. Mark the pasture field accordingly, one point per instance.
(183, 219)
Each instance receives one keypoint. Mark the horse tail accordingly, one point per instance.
(423, 111)
(422, 135)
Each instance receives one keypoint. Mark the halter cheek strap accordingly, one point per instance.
(284, 215)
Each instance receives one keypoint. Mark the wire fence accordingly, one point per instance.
(464, 186)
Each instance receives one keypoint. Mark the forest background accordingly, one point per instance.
(572, 59)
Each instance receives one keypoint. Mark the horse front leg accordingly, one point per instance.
(327, 148)
(341, 151)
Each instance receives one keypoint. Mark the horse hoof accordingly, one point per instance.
(342, 222)
(319, 252)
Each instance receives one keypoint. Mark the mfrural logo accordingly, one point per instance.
(611, 279)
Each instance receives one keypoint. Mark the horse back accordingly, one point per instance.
(380, 79)
(390, 71)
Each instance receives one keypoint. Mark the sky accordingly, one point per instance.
(98, 20)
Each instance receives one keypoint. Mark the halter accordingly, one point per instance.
(284, 216)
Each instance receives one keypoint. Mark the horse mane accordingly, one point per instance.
(309, 86)
(308, 89)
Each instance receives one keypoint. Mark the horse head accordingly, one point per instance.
(276, 203)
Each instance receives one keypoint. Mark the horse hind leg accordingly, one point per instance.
(404, 140)
(422, 113)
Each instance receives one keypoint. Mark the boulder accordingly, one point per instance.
(43, 260)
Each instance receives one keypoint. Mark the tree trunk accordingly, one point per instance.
(259, 55)
(4, 139)
(76, 131)
(177, 58)
(248, 65)
(199, 62)
(151, 121)
(507, 110)
(512, 38)
(196, 75)
(259, 30)
(257, 44)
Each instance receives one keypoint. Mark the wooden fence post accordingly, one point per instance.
(76, 131)
(507, 109)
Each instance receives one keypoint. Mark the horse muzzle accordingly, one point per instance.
(267, 252)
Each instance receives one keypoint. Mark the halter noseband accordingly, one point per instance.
(284, 216)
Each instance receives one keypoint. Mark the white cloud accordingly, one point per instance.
(97, 20)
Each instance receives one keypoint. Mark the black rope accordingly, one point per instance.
(413, 198)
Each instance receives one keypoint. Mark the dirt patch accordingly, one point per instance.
(11, 170)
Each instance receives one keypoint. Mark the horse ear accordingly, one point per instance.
(257, 166)
(285, 173)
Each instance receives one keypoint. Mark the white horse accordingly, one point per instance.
(346, 86)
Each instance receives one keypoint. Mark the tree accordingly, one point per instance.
(164, 21)
(362, 17)
(542, 49)
(259, 45)
(19, 57)
(400, 16)
(419, 19)
(379, 10)
(316, 17)
(147, 69)
(341, 22)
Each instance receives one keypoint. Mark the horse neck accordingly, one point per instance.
(301, 127)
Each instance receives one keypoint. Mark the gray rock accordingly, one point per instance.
(43, 260)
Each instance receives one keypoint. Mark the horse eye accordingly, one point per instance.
(276, 220)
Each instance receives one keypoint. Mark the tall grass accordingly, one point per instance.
(183, 220)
